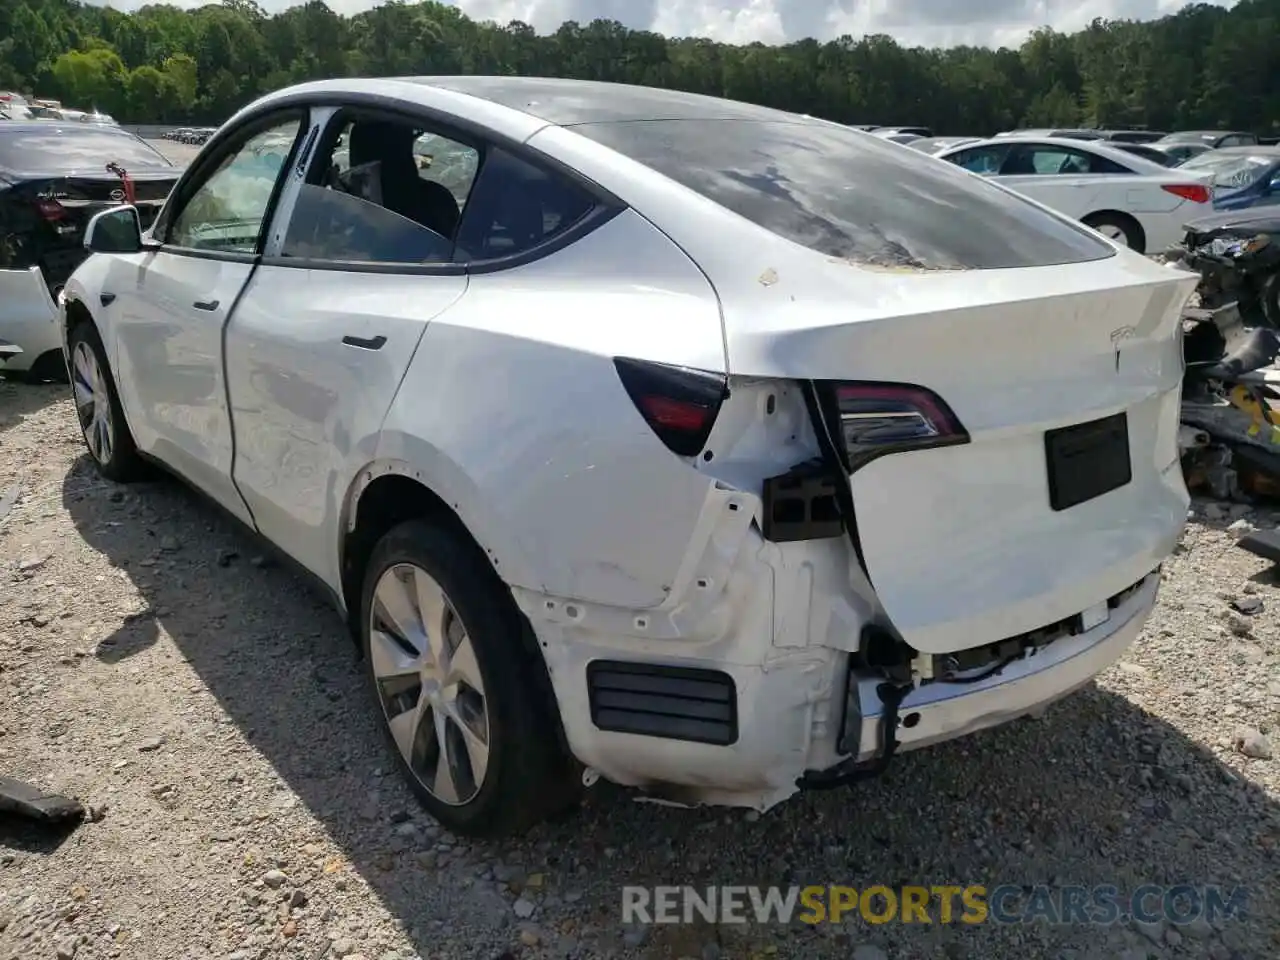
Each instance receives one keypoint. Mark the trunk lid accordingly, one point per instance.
(45, 216)
(963, 544)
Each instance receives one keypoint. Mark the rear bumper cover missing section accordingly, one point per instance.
(28, 317)
(789, 713)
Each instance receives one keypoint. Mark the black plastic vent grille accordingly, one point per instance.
(652, 700)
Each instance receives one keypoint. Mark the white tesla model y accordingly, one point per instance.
(713, 450)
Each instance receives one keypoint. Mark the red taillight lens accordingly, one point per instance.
(1195, 192)
(679, 404)
(50, 209)
(878, 418)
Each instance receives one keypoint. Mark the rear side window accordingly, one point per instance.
(60, 149)
(851, 195)
(515, 207)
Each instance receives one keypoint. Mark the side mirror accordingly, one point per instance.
(117, 230)
(1274, 185)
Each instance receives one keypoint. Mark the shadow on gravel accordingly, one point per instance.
(21, 400)
(1097, 792)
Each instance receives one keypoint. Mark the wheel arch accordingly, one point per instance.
(388, 492)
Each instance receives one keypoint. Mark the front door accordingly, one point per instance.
(174, 300)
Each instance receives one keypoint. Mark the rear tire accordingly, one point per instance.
(1120, 229)
(48, 368)
(470, 730)
(102, 423)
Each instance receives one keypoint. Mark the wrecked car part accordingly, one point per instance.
(1238, 258)
(1189, 438)
(28, 801)
(1262, 543)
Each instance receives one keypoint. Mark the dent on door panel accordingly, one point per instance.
(306, 404)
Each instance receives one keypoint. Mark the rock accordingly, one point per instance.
(1241, 528)
(1198, 929)
(1249, 606)
(635, 936)
(530, 938)
(1152, 931)
(1237, 624)
(226, 557)
(535, 881)
(1132, 669)
(524, 908)
(31, 564)
(290, 928)
(150, 745)
(66, 948)
(1219, 951)
(342, 947)
(170, 545)
(297, 899)
(869, 951)
(1173, 938)
(274, 879)
(1252, 743)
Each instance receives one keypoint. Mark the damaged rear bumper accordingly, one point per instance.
(28, 318)
(704, 730)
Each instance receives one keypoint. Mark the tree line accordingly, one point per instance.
(1204, 67)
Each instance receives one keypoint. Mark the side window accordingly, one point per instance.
(382, 191)
(226, 211)
(985, 160)
(515, 207)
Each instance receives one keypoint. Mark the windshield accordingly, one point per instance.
(61, 149)
(1231, 172)
(851, 195)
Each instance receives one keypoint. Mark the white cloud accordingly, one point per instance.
(924, 22)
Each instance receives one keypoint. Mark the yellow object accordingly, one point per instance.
(1243, 399)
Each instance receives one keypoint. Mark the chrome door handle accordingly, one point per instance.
(206, 305)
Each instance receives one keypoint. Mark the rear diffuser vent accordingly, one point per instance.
(652, 700)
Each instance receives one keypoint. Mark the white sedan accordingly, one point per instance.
(633, 442)
(1129, 199)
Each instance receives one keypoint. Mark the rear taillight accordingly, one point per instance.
(1195, 192)
(680, 404)
(879, 418)
(50, 209)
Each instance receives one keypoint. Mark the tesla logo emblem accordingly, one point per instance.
(117, 194)
(1118, 336)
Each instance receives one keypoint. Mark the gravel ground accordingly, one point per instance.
(208, 707)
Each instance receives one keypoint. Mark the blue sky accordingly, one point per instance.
(927, 22)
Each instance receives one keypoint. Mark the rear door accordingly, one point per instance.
(1067, 179)
(324, 333)
(173, 300)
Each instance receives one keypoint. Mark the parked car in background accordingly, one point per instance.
(649, 554)
(1132, 136)
(892, 133)
(902, 138)
(53, 179)
(14, 106)
(1241, 177)
(1062, 134)
(1180, 153)
(1132, 201)
(1146, 151)
(1213, 139)
(934, 144)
